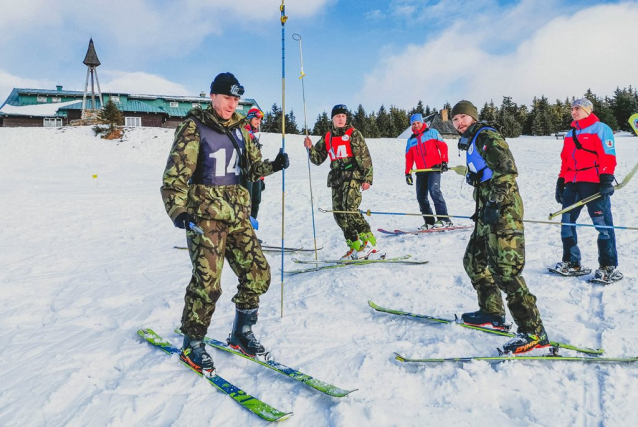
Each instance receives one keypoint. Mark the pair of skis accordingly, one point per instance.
(591, 353)
(247, 401)
(338, 263)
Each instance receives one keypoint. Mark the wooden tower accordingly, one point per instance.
(92, 62)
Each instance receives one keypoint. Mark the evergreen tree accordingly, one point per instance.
(400, 121)
(417, 110)
(291, 124)
(111, 115)
(623, 104)
(360, 122)
(322, 125)
(371, 126)
(603, 110)
(510, 127)
(385, 124)
(489, 113)
(427, 111)
(542, 121)
(272, 120)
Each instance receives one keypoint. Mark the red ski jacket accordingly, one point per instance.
(425, 149)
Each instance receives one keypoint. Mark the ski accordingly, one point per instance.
(548, 357)
(249, 402)
(405, 259)
(582, 272)
(321, 386)
(480, 328)
(429, 230)
(355, 263)
(270, 248)
(267, 248)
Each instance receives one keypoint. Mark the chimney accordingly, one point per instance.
(444, 115)
(59, 88)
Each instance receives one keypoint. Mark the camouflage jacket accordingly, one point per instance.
(361, 160)
(502, 188)
(229, 203)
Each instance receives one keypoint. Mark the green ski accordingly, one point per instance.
(249, 402)
(479, 328)
(589, 359)
(338, 264)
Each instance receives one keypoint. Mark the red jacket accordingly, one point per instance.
(597, 155)
(425, 149)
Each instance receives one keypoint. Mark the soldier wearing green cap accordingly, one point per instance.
(495, 255)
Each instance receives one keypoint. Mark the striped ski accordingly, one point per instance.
(321, 386)
(405, 259)
(498, 359)
(249, 402)
(480, 328)
(430, 230)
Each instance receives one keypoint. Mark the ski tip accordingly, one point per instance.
(371, 304)
(398, 357)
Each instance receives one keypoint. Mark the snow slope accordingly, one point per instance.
(87, 262)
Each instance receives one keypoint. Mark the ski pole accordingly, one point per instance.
(531, 221)
(305, 124)
(460, 169)
(586, 200)
(283, 20)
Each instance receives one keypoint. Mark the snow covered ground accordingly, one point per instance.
(87, 262)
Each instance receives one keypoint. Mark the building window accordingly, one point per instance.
(52, 122)
(133, 122)
(115, 99)
(196, 104)
(56, 99)
(42, 99)
(174, 104)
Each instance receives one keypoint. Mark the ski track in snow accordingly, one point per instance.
(88, 262)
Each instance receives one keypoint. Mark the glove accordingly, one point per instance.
(560, 188)
(606, 184)
(491, 213)
(408, 179)
(281, 161)
(183, 221)
(474, 217)
(263, 185)
(444, 167)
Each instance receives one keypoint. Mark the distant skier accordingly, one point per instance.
(210, 153)
(427, 149)
(495, 255)
(588, 162)
(253, 122)
(350, 172)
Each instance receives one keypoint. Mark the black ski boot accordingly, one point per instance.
(481, 318)
(523, 342)
(194, 355)
(242, 337)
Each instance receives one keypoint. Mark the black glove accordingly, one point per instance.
(491, 213)
(263, 185)
(183, 221)
(444, 167)
(560, 188)
(606, 184)
(281, 161)
(408, 179)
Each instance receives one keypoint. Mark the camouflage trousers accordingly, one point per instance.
(237, 244)
(494, 260)
(347, 197)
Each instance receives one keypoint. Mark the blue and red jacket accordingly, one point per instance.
(596, 154)
(425, 149)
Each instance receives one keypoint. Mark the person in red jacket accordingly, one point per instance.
(588, 162)
(426, 149)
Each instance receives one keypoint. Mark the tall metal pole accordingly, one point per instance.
(283, 19)
(305, 124)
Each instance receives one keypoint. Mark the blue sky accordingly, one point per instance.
(355, 52)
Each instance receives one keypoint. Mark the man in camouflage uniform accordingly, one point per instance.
(350, 172)
(495, 255)
(201, 192)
